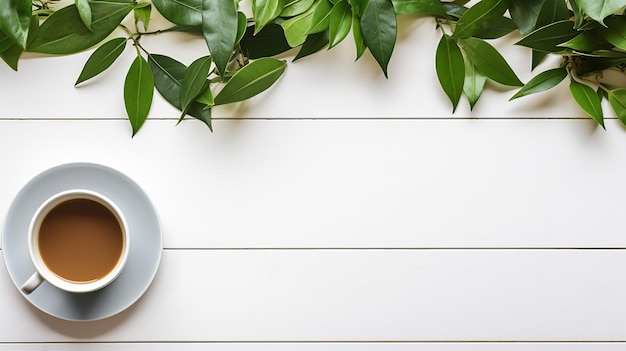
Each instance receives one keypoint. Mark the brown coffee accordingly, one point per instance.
(80, 241)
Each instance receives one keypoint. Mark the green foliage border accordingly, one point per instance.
(588, 35)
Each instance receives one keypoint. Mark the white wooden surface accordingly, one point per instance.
(341, 211)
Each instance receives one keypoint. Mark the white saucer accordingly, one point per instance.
(146, 242)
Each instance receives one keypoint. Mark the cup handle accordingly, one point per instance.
(32, 283)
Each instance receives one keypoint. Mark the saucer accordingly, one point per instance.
(146, 242)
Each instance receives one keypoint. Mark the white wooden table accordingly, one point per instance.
(341, 211)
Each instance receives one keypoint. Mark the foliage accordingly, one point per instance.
(588, 35)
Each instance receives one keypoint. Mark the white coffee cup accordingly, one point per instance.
(74, 238)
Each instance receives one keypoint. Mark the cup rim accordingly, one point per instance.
(33, 246)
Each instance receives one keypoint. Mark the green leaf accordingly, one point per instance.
(138, 92)
(205, 96)
(168, 76)
(314, 43)
(242, 26)
(602, 93)
(12, 52)
(193, 81)
(489, 61)
(450, 69)
(219, 26)
(357, 34)
(542, 82)
(617, 99)
(11, 55)
(474, 83)
(379, 29)
(265, 11)
(419, 7)
(597, 64)
(616, 32)
(358, 6)
(33, 30)
(477, 18)
(202, 113)
(193, 30)
(548, 38)
(297, 28)
(15, 17)
(587, 41)
(537, 57)
(588, 100)
(552, 11)
(524, 13)
(268, 42)
(84, 11)
(182, 12)
(454, 11)
(251, 80)
(64, 33)
(296, 7)
(142, 13)
(320, 20)
(340, 23)
(600, 9)
(579, 16)
(496, 28)
(101, 59)
(5, 42)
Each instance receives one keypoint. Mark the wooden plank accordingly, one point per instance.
(356, 296)
(334, 184)
(329, 84)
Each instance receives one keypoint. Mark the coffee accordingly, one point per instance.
(80, 240)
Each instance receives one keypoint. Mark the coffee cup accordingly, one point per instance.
(78, 241)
